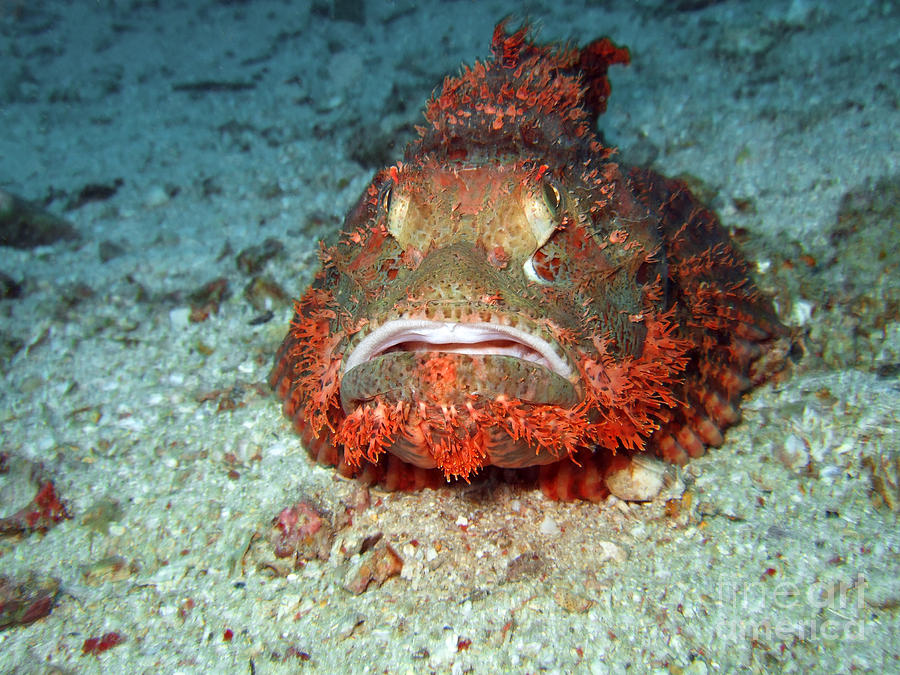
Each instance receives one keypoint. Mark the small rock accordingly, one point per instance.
(24, 602)
(24, 224)
(205, 300)
(97, 645)
(94, 192)
(611, 551)
(101, 514)
(9, 287)
(696, 667)
(180, 317)
(108, 569)
(794, 454)
(572, 602)
(637, 479)
(109, 250)
(253, 259)
(264, 293)
(156, 196)
(301, 534)
(377, 566)
(44, 511)
(549, 527)
(525, 566)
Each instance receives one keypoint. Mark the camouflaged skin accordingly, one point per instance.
(510, 296)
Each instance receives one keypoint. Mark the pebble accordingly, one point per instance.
(801, 312)
(156, 196)
(611, 551)
(639, 481)
(549, 527)
(180, 317)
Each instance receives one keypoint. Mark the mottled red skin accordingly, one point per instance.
(509, 209)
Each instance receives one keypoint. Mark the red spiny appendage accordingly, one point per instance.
(506, 48)
(370, 429)
(316, 357)
(595, 60)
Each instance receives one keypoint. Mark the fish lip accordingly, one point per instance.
(461, 338)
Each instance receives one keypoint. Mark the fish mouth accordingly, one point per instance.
(449, 362)
(482, 339)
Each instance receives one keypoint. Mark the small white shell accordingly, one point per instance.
(640, 481)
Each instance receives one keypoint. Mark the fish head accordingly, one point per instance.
(488, 312)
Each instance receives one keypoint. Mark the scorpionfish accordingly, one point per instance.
(510, 298)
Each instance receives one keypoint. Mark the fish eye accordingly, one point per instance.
(552, 198)
(384, 199)
(393, 207)
(542, 213)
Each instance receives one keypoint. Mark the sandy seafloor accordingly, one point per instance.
(778, 552)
